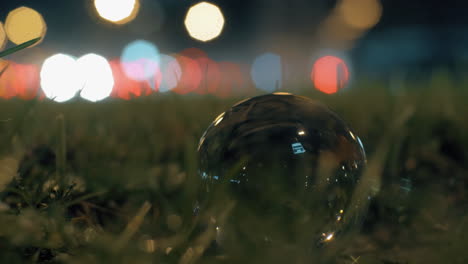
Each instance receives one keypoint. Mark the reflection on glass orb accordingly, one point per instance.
(289, 167)
(3, 37)
(97, 74)
(24, 24)
(117, 11)
(204, 21)
(267, 72)
(61, 78)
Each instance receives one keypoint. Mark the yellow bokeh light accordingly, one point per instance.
(360, 14)
(204, 21)
(336, 33)
(24, 24)
(117, 11)
(3, 37)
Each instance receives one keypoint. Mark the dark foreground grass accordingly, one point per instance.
(115, 182)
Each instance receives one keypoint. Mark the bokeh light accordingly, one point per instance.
(360, 14)
(209, 70)
(191, 75)
(24, 80)
(24, 24)
(169, 75)
(6, 80)
(233, 80)
(210, 75)
(193, 53)
(204, 21)
(60, 77)
(348, 21)
(6, 90)
(140, 60)
(125, 87)
(336, 33)
(329, 74)
(97, 74)
(3, 37)
(117, 11)
(267, 72)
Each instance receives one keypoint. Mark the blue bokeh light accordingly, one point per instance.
(267, 72)
(171, 73)
(140, 60)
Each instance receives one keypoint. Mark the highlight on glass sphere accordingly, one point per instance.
(279, 171)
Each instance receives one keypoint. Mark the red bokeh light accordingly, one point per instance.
(330, 74)
(211, 76)
(193, 53)
(200, 75)
(126, 88)
(19, 80)
(233, 81)
(191, 75)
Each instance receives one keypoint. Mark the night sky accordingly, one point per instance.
(411, 32)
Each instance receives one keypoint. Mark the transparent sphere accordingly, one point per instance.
(279, 173)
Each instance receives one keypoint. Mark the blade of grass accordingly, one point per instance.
(19, 47)
(61, 148)
(132, 226)
(85, 197)
(4, 69)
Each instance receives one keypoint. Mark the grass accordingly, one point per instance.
(115, 182)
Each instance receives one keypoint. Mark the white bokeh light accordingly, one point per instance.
(117, 11)
(60, 77)
(98, 77)
(204, 21)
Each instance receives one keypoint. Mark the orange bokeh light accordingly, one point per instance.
(330, 74)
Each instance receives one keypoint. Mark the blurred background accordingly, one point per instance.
(101, 118)
(225, 48)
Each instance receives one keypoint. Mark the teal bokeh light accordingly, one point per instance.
(140, 60)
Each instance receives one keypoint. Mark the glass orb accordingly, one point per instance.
(278, 172)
